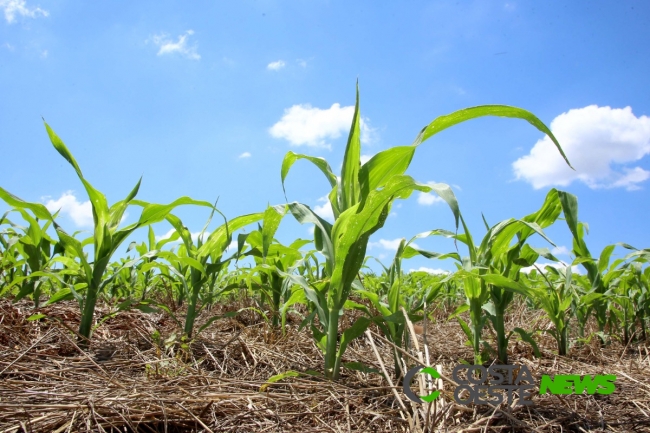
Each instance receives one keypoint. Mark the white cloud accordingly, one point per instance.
(542, 266)
(81, 213)
(44, 54)
(325, 210)
(302, 63)
(275, 66)
(19, 7)
(597, 141)
(427, 198)
(387, 244)
(168, 47)
(231, 248)
(304, 125)
(245, 155)
(167, 235)
(560, 251)
(8, 46)
(430, 270)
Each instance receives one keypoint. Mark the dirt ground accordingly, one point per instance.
(136, 376)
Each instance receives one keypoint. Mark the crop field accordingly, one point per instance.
(103, 334)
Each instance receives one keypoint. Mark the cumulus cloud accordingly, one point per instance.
(388, 244)
(427, 198)
(560, 251)
(325, 210)
(430, 270)
(602, 144)
(245, 155)
(231, 248)
(12, 8)
(81, 213)
(542, 266)
(304, 125)
(167, 46)
(275, 66)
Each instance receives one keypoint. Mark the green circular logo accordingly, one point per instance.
(407, 384)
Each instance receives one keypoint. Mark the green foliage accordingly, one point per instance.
(327, 281)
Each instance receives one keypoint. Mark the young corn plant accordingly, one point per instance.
(391, 320)
(631, 295)
(272, 261)
(361, 199)
(493, 270)
(205, 258)
(598, 282)
(38, 249)
(107, 234)
(583, 304)
(556, 299)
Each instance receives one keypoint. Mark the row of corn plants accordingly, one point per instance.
(42, 262)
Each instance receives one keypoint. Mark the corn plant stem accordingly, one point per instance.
(191, 308)
(332, 361)
(502, 341)
(563, 344)
(476, 314)
(87, 317)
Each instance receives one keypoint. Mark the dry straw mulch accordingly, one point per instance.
(127, 381)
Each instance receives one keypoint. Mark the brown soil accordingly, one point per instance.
(127, 381)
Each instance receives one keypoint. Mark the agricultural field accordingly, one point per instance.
(99, 334)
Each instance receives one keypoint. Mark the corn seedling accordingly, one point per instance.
(361, 200)
(107, 235)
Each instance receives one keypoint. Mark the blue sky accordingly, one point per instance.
(204, 99)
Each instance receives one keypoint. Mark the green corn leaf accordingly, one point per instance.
(356, 330)
(603, 261)
(465, 328)
(529, 339)
(320, 338)
(350, 190)
(153, 212)
(384, 165)
(60, 295)
(443, 122)
(183, 233)
(290, 158)
(220, 238)
(39, 210)
(297, 297)
(322, 231)
(279, 377)
(272, 218)
(353, 228)
(506, 283)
